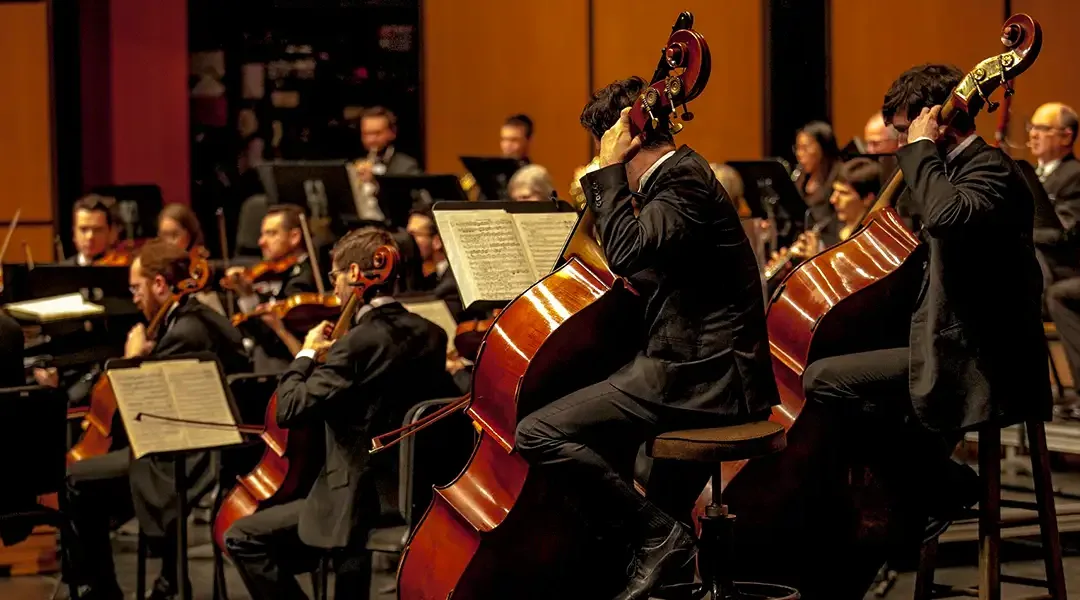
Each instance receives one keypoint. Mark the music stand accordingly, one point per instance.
(178, 456)
(492, 174)
(767, 185)
(137, 207)
(322, 186)
(399, 193)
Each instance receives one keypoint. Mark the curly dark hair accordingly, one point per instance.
(922, 87)
(602, 111)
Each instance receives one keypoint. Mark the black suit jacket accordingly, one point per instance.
(12, 373)
(192, 327)
(704, 345)
(297, 280)
(978, 351)
(390, 360)
(402, 164)
(1060, 242)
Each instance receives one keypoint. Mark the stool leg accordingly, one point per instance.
(1044, 497)
(990, 514)
(716, 544)
(924, 578)
(140, 567)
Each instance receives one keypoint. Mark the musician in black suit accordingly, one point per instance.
(704, 355)
(389, 360)
(282, 237)
(113, 487)
(976, 354)
(94, 229)
(378, 131)
(12, 373)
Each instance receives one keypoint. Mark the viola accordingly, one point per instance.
(262, 270)
(293, 458)
(120, 255)
(866, 283)
(97, 437)
(501, 529)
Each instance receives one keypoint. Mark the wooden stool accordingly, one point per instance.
(991, 524)
(715, 446)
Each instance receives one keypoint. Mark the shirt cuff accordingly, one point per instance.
(306, 353)
(247, 303)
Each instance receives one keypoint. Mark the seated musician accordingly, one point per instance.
(178, 225)
(12, 373)
(94, 229)
(819, 160)
(704, 355)
(976, 354)
(113, 487)
(531, 183)
(282, 237)
(854, 192)
(389, 360)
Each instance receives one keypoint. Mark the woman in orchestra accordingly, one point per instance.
(819, 161)
(531, 183)
(179, 226)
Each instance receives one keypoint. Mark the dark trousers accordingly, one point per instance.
(1063, 304)
(268, 553)
(98, 499)
(867, 399)
(590, 439)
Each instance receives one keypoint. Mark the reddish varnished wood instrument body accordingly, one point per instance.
(501, 529)
(293, 458)
(97, 437)
(856, 295)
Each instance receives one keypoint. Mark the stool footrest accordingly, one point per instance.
(1028, 581)
(948, 591)
(1012, 522)
(1024, 504)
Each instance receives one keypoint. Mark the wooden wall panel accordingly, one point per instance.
(484, 61)
(871, 46)
(26, 161)
(38, 239)
(1053, 76)
(628, 36)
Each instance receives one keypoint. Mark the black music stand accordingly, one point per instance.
(398, 194)
(177, 457)
(492, 174)
(767, 183)
(137, 206)
(322, 186)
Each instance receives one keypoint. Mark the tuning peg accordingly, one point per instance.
(991, 106)
(675, 127)
(686, 114)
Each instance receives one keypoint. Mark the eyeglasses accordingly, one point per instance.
(1029, 127)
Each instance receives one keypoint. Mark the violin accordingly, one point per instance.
(292, 459)
(470, 334)
(299, 312)
(262, 270)
(502, 529)
(855, 295)
(120, 255)
(97, 437)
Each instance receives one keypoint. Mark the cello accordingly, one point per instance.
(502, 529)
(97, 437)
(858, 285)
(292, 459)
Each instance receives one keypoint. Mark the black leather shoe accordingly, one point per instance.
(651, 565)
(166, 590)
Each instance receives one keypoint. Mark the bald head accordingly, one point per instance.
(1052, 131)
(880, 138)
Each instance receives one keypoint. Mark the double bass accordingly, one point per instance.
(292, 459)
(825, 307)
(501, 529)
(97, 437)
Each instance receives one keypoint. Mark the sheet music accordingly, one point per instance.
(55, 308)
(198, 395)
(438, 313)
(487, 255)
(544, 235)
(145, 390)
